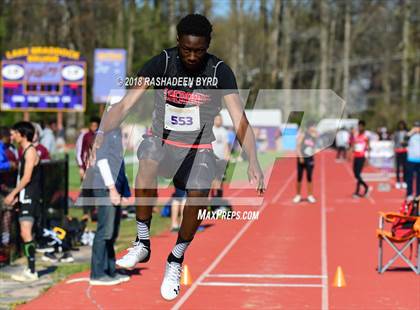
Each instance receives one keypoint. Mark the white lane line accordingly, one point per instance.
(268, 276)
(222, 254)
(76, 280)
(324, 265)
(242, 284)
(280, 192)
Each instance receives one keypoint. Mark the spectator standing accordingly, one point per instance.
(48, 138)
(342, 142)
(8, 166)
(79, 160)
(400, 150)
(87, 142)
(222, 152)
(109, 184)
(413, 160)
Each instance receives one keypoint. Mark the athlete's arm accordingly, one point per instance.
(113, 118)
(31, 157)
(246, 138)
(298, 147)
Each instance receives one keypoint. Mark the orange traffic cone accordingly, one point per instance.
(339, 280)
(186, 278)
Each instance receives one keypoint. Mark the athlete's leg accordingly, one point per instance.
(356, 172)
(309, 173)
(28, 243)
(362, 182)
(300, 168)
(146, 193)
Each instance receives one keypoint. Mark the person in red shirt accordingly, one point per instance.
(88, 140)
(360, 149)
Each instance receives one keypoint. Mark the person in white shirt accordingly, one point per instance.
(342, 142)
(222, 152)
(48, 139)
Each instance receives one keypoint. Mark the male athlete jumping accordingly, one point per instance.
(190, 85)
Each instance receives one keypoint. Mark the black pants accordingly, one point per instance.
(308, 165)
(413, 169)
(341, 152)
(401, 164)
(358, 164)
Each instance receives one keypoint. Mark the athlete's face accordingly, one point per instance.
(16, 136)
(192, 50)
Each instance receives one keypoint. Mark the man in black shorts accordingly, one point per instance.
(27, 194)
(190, 85)
(306, 147)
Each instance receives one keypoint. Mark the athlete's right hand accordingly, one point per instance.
(301, 160)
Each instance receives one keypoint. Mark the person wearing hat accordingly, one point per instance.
(413, 160)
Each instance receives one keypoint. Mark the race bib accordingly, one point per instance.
(359, 147)
(182, 119)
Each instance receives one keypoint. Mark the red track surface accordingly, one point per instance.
(300, 246)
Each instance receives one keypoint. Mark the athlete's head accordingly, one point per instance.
(311, 127)
(194, 36)
(362, 126)
(218, 121)
(22, 131)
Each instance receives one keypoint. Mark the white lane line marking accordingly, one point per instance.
(280, 192)
(242, 284)
(324, 265)
(77, 280)
(268, 276)
(222, 254)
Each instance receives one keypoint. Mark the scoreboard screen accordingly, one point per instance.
(43, 80)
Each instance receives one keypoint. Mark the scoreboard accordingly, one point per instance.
(43, 79)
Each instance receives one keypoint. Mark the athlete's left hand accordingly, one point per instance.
(10, 199)
(256, 176)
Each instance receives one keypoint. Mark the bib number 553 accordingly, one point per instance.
(181, 120)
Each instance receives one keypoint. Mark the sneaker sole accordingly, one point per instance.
(145, 260)
(124, 280)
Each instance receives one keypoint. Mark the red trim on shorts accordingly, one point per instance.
(189, 146)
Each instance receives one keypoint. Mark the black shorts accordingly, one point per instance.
(190, 169)
(28, 212)
(308, 165)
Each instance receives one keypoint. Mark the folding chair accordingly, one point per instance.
(407, 240)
